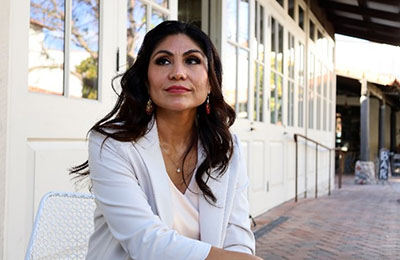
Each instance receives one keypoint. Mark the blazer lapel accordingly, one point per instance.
(151, 154)
(211, 216)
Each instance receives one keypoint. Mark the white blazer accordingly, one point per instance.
(133, 218)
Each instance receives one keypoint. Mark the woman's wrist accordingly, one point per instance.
(221, 254)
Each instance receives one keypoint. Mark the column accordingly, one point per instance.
(393, 140)
(381, 140)
(364, 121)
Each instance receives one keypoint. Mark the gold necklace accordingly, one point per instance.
(167, 152)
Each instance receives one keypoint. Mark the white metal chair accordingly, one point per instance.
(63, 225)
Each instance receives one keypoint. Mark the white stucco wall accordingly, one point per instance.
(4, 79)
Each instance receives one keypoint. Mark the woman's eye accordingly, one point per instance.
(193, 60)
(162, 61)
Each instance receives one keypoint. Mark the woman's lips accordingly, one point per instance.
(177, 89)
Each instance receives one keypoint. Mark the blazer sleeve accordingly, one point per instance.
(239, 236)
(126, 210)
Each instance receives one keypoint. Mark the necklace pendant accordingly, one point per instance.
(178, 170)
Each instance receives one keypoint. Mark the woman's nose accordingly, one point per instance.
(178, 72)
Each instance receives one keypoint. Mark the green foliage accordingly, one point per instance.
(88, 70)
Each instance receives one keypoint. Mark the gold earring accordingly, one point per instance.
(208, 107)
(149, 107)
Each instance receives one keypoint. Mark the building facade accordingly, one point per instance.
(58, 59)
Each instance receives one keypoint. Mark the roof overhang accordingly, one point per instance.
(373, 20)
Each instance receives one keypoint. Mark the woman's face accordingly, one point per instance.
(177, 74)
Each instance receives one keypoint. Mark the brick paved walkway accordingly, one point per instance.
(356, 222)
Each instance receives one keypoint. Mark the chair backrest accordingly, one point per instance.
(63, 225)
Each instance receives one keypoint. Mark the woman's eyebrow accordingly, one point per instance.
(163, 51)
(188, 52)
(193, 51)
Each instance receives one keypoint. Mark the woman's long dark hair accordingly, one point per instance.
(128, 120)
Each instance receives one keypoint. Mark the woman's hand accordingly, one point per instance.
(221, 254)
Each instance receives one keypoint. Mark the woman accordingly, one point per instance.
(168, 177)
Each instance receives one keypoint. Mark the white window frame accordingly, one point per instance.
(67, 53)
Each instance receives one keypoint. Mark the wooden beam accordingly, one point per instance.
(360, 10)
(363, 4)
(350, 21)
(388, 39)
(388, 2)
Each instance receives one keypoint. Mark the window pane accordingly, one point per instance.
(261, 91)
(84, 49)
(244, 23)
(325, 82)
(258, 92)
(232, 20)
(261, 36)
(291, 8)
(273, 44)
(157, 17)
(229, 86)
(300, 97)
(311, 91)
(135, 29)
(280, 2)
(291, 55)
(163, 3)
(300, 56)
(320, 43)
(290, 103)
(272, 102)
(46, 47)
(301, 18)
(280, 49)
(300, 105)
(243, 82)
(279, 92)
(276, 98)
(318, 76)
(188, 11)
(312, 31)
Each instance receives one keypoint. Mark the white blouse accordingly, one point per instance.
(186, 210)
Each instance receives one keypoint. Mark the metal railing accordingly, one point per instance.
(341, 155)
(317, 144)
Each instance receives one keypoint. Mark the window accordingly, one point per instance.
(64, 48)
(320, 44)
(236, 86)
(290, 81)
(301, 17)
(142, 16)
(324, 98)
(312, 31)
(291, 8)
(276, 80)
(300, 92)
(318, 76)
(311, 82)
(259, 63)
(190, 11)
